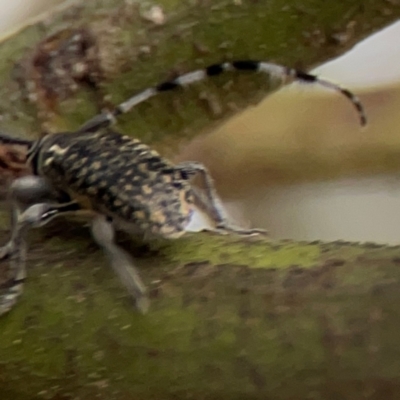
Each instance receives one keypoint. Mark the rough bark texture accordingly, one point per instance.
(125, 53)
(231, 318)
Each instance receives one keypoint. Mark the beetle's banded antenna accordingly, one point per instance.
(16, 249)
(285, 74)
(308, 78)
(7, 139)
(12, 289)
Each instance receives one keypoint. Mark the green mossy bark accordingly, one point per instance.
(300, 34)
(231, 318)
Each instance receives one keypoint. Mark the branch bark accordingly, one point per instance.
(129, 53)
(231, 317)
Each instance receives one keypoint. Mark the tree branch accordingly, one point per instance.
(230, 318)
(129, 53)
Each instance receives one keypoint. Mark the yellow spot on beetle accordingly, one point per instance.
(48, 161)
(96, 165)
(167, 178)
(139, 215)
(158, 216)
(146, 189)
(142, 167)
(58, 150)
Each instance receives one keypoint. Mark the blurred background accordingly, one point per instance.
(298, 164)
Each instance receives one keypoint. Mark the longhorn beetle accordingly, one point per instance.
(121, 182)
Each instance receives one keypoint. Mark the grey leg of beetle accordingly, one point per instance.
(30, 190)
(23, 192)
(103, 233)
(211, 202)
(27, 191)
(15, 250)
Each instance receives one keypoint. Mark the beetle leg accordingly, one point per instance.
(35, 215)
(211, 202)
(103, 233)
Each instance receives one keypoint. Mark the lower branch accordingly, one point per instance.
(230, 318)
